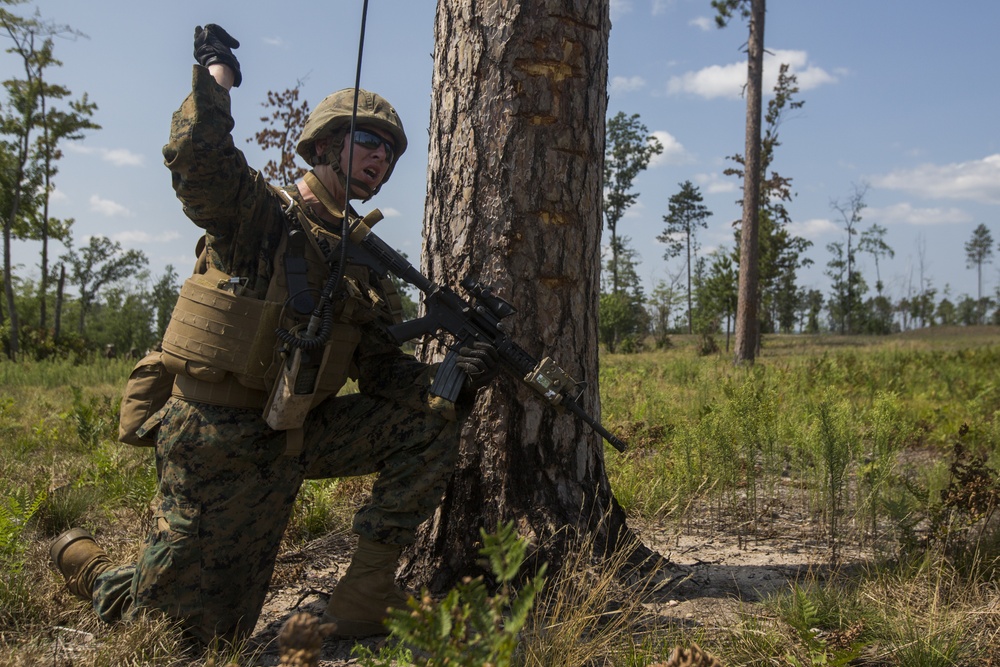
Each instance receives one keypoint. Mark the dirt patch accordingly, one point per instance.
(712, 573)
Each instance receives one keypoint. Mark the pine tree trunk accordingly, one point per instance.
(57, 317)
(747, 304)
(514, 198)
(13, 346)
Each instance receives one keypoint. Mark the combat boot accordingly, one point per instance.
(77, 556)
(362, 598)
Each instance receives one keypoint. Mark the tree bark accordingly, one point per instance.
(747, 303)
(13, 346)
(514, 193)
(57, 321)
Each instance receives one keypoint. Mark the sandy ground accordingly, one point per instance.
(710, 575)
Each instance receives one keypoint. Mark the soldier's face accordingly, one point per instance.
(373, 153)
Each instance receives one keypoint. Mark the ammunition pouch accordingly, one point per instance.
(223, 346)
(213, 331)
(146, 391)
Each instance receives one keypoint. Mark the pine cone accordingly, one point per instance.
(689, 657)
(300, 641)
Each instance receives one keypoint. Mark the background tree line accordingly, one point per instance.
(702, 297)
(116, 299)
(107, 295)
(94, 293)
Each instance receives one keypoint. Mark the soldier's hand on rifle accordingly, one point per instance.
(481, 364)
(214, 46)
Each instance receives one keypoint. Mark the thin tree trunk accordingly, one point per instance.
(43, 285)
(57, 316)
(514, 198)
(690, 309)
(747, 304)
(8, 287)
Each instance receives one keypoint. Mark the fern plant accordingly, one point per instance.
(806, 617)
(15, 513)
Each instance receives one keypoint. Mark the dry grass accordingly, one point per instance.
(915, 606)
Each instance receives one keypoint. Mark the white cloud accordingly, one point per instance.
(703, 23)
(807, 75)
(727, 81)
(673, 151)
(710, 82)
(813, 228)
(977, 180)
(391, 212)
(714, 184)
(906, 214)
(274, 41)
(627, 84)
(120, 157)
(135, 237)
(107, 207)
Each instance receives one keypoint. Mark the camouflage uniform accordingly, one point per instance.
(227, 485)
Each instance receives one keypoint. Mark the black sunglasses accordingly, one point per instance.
(372, 141)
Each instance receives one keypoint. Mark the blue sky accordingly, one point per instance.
(903, 96)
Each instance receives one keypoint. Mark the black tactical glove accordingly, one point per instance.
(481, 363)
(212, 44)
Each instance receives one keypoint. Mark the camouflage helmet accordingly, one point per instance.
(333, 114)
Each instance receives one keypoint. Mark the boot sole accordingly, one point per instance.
(60, 544)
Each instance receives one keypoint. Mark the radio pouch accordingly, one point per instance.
(295, 389)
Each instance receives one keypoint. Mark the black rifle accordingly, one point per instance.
(479, 320)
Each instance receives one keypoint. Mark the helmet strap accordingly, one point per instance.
(332, 158)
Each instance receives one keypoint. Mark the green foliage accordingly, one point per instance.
(469, 627)
(628, 150)
(100, 263)
(712, 446)
(979, 251)
(836, 443)
(67, 506)
(35, 117)
(17, 508)
(715, 294)
(95, 419)
(621, 323)
(885, 439)
(687, 214)
(817, 616)
(327, 506)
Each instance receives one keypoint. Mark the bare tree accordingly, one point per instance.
(283, 125)
(850, 209)
(747, 304)
(514, 198)
(873, 242)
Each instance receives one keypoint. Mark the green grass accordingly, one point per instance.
(890, 445)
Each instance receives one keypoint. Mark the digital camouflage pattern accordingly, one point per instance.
(227, 484)
(227, 490)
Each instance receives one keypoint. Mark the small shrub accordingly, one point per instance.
(469, 627)
(95, 419)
